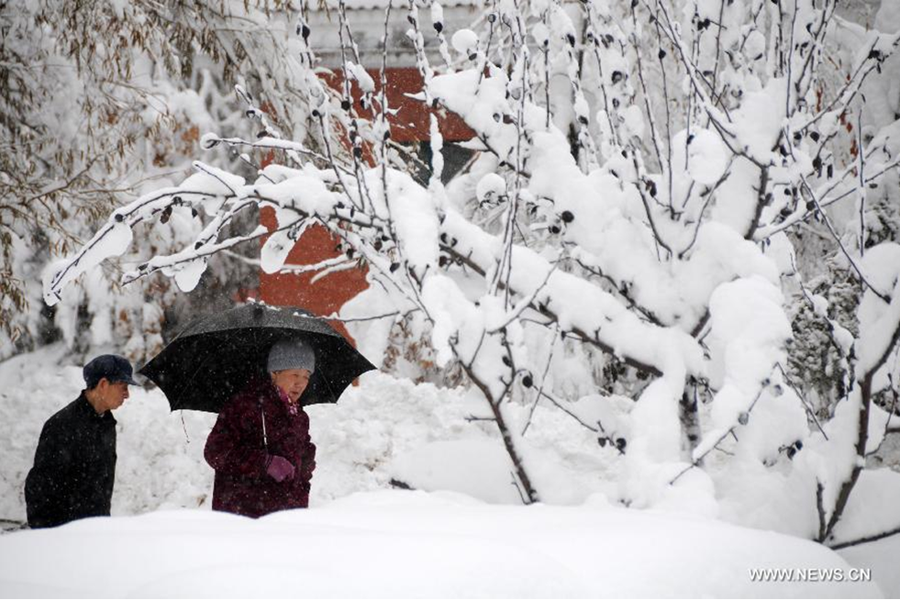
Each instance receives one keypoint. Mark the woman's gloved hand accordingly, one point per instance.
(280, 468)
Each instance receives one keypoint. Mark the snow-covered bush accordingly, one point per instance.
(640, 167)
(100, 103)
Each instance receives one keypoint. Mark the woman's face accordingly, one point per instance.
(292, 381)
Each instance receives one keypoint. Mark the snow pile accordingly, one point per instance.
(411, 544)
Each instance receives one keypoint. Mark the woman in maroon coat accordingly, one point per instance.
(260, 446)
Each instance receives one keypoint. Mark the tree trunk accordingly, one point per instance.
(690, 420)
(529, 494)
(861, 441)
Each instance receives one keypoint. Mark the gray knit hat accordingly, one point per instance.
(291, 354)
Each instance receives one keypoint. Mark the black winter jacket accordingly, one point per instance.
(74, 467)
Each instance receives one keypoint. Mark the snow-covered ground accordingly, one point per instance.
(362, 538)
(411, 544)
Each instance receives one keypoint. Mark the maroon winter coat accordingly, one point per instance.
(239, 452)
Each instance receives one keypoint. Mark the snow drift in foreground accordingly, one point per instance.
(411, 544)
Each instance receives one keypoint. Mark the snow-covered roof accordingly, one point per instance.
(367, 23)
(395, 4)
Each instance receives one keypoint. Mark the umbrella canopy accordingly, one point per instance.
(217, 355)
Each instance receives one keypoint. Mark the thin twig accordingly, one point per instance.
(865, 540)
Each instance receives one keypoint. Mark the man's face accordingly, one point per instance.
(292, 381)
(114, 393)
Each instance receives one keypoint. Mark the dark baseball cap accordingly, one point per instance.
(111, 366)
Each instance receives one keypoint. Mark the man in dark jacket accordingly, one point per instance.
(260, 446)
(75, 462)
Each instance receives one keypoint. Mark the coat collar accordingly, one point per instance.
(270, 395)
(86, 411)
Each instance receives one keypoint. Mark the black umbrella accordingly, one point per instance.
(217, 355)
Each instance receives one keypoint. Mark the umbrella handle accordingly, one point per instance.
(265, 439)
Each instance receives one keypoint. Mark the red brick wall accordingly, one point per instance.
(324, 297)
(412, 122)
(328, 295)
